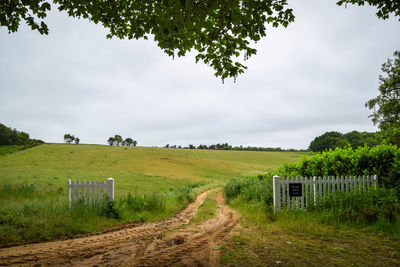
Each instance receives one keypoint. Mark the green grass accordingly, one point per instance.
(150, 184)
(300, 239)
(208, 209)
(31, 213)
(4, 150)
(140, 169)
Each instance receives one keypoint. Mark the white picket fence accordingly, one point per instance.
(90, 193)
(312, 188)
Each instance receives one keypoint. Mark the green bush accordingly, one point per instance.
(256, 188)
(233, 188)
(382, 160)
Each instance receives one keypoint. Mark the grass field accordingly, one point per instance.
(140, 169)
(150, 184)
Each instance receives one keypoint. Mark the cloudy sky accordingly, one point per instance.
(309, 78)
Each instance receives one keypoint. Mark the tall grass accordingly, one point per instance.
(32, 213)
(378, 208)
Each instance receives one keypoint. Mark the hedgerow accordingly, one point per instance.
(382, 160)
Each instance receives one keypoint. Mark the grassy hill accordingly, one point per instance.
(161, 181)
(140, 169)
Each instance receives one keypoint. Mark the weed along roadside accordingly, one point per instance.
(34, 214)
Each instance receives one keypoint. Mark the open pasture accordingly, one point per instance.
(139, 169)
(150, 184)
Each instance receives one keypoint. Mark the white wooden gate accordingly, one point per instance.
(312, 188)
(90, 193)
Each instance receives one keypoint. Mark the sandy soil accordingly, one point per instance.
(162, 243)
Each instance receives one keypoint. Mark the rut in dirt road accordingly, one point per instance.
(150, 244)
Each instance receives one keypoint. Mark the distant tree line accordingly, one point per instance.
(226, 146)
(69, 138)
(10, 136)
(118, 140)
(355, 139)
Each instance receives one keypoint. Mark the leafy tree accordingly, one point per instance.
(117, 139)
(9, 136)
(134, 143)
(128, 141)
(77, 140)
(111, 141)
(218, 30)
(68, 138)
(385, 7)
(386, 106)
(325, 142)
(354, 139)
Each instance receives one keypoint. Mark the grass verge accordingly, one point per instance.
(31, 213)
(300, 239)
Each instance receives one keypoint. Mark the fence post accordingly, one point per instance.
(277, 193)
(69, 193)
(110, 189)
(376, 181)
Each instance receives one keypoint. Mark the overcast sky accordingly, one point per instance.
(309, 78)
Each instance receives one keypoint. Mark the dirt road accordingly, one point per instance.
(150, 244)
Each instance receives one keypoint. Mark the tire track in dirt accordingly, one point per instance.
(149, 244)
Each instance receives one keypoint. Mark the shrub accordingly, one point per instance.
(232, 188)
(256, 188)
(108, 210)
(382, 160)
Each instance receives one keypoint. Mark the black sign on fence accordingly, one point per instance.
(295, 190)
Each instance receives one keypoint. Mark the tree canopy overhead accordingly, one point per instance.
(221, 31)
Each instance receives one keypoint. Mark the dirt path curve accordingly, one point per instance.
(150, 244)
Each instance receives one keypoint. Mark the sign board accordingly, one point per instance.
(295, 190)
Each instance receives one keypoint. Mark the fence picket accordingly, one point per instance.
(92, 186)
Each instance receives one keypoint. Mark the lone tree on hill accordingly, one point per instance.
(68, 138)
(218, 30)
(77, 140)
(386, 106)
